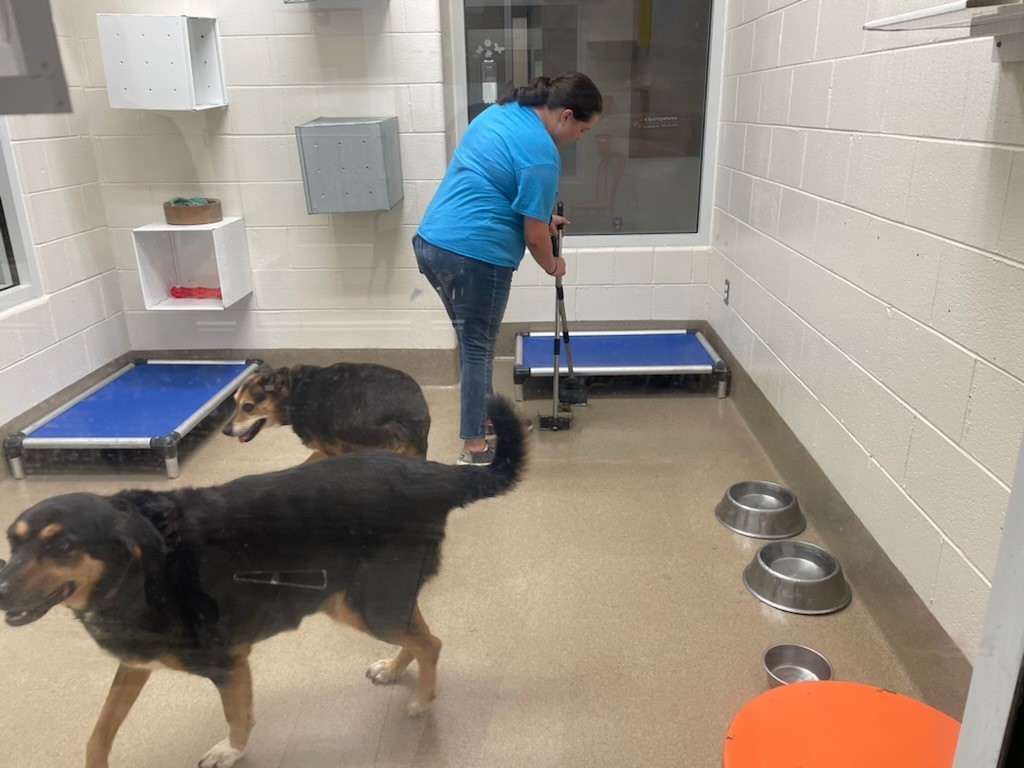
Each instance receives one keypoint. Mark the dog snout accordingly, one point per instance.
(229, 429)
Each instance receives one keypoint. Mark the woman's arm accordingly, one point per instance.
(538, 242)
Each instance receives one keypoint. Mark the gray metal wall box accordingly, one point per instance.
(350, 164)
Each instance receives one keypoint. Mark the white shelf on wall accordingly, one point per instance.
(199, 255)
(161, 62)
(1002, 20)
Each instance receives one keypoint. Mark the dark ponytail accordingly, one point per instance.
(569, 90)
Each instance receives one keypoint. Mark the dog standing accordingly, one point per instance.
(336, 409)
(190, 579)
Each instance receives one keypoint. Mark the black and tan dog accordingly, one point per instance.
(336, 409)
(190, 579)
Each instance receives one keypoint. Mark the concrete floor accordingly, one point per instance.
(593, 617)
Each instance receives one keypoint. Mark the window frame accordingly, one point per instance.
(29, 282)
(712, 116)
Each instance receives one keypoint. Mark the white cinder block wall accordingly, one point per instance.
(321, 281)
(869, 217)
(77, 326)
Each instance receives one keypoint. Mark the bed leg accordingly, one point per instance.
(722, 376)
(167, 447)
(17, 468)
(173, 469)
(13, 451)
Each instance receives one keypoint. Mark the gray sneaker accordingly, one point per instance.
(477, 459)
(489, 428)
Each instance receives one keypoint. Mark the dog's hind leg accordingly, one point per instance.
(236, 697)
(416, 643)
(127, 685)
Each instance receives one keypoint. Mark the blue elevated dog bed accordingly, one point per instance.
(149, 404)
(620, 353)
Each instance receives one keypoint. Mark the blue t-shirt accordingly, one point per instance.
(506, 167)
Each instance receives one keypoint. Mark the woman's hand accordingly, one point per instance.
(559, 268)
(555, 222)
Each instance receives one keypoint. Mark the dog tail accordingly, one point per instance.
(509, 457)
(510, 447)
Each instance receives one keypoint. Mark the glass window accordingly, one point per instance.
(639, 171)
(19, 274)
(8, 266)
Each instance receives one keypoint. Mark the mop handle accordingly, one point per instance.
(557, 246)
(556, 251)
(559, 307)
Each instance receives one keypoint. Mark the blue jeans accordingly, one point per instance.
(474, 294)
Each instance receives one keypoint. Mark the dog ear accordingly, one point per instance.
(277, 381)
(136, 531)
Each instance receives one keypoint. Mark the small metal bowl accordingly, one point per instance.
(798, 577)
(761, 510)
(790, 663)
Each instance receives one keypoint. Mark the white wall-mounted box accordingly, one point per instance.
(199, 255)
(350, 164)
(161, 62)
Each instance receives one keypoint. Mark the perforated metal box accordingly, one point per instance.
(350, 164)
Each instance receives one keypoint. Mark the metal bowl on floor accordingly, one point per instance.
(790, 663)
(760, 509)
(798, 577)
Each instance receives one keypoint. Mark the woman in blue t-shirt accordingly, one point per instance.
(495, 202)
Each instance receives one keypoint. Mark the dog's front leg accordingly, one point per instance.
(236, 698)
(127, 685)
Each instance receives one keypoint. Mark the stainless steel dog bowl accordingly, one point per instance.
(760, 509)
(798, 577)
(790, 663)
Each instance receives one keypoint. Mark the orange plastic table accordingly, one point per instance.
(835, 724)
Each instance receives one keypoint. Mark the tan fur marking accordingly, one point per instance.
(236, 699)
(43, 577)
(416, 642)
(160, 662)
(21, 530)
(315, 456)
(335, 607)
(268, 409)
(50, 531)
(124, 690)
(86, 574)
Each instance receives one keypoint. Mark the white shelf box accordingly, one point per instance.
(161, 62)
(193, 256)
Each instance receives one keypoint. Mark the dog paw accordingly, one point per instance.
(223, 755)
(382, 672)
(417, 707)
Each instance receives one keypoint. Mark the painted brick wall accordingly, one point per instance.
(78, 325)
(869, 200)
